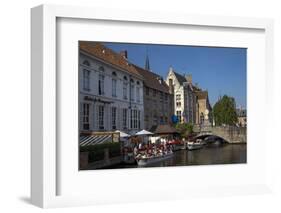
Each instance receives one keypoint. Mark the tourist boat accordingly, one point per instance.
(144, 160)
(192, 145)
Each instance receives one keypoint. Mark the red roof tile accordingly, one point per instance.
(107, 55)
(151, 80)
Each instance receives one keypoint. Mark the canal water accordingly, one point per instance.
(209, 154)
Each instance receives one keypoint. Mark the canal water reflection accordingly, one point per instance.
(209, 154)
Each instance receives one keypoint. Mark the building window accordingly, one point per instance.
(86, 113)
(132, 93)
(179, 115)
(125, 111)
(166, 97)
(178, 97)
(125, 93)
(125, 86)
(113, 117)
(114, 86)
(86, 80)
(161, 96)
(135, 119)
(178, 104)
(131, 119)
(155, 120)
(147, 91)
(139, 119)
(138, 94)
(101, 84)
(170, 82)
(101, 117)
(154, 92)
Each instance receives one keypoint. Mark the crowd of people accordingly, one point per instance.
(148, 150)
(151, 147)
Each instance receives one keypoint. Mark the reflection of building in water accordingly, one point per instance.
(111, 90)
(242, 117)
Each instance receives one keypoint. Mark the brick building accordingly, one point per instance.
(157, 99)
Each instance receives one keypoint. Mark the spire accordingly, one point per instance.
(147, 66)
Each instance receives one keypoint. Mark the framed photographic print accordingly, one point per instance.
(147, 105)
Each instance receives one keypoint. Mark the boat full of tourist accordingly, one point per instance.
(146, 159)
(196, 144)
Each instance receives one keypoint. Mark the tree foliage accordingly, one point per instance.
(184, 129)
(225, 112)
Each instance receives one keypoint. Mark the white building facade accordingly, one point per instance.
(111, 97)
(185, 102)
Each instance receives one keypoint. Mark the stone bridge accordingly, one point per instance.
(230, 134)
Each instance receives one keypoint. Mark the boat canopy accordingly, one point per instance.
(88, 140)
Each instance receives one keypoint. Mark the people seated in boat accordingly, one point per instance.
(135, 151)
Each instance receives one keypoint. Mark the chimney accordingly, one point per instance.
(160, 80)
(124, 54)
(188, 78)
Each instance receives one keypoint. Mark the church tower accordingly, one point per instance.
(147, 66)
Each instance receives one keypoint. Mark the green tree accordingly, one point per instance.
(225, 112)
(184, 129)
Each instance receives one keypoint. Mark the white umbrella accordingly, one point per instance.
(144, 132)
(123, 134)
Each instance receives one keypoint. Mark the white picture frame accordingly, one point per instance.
(45, 172)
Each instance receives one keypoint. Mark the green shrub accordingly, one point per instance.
(184, 129)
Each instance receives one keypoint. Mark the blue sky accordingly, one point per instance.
(219, 70)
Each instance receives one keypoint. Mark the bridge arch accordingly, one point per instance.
(229, 134)
(205, 135)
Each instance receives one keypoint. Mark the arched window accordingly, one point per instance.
(86, 79)
(125, 88)
(132, 90)
(114, 84)
(87, 63)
